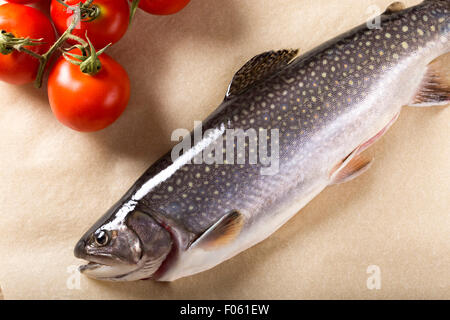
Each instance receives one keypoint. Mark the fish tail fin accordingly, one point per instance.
(435, 87)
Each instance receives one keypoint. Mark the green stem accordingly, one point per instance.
(134, 6)
(88, 11)
(31, 53)
(9, 43)
(45, 57)
(78, 39)
(89, 62)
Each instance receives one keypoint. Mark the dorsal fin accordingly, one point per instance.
(259, 68)
(222, 232)
(395, 7)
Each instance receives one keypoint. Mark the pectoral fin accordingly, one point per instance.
(435, 87)
(258, 68)
(350, 168)
(222, 232)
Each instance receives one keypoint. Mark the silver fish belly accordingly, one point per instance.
(326, 105)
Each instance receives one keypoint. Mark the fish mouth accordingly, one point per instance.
(90, 266)
(101, 271)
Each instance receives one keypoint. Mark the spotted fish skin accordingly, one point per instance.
(325, 103)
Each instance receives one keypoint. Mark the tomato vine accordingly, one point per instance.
(89, 62)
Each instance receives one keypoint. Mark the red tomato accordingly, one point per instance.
(84, 102)
(108, 27)
(162, 7)
(22, 22)
(23, 1)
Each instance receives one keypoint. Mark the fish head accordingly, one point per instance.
(123, 246)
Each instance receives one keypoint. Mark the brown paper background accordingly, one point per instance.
(56, 182)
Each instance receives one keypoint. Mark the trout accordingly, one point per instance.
(321, 108)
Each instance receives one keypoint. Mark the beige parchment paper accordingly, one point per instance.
(392, 222)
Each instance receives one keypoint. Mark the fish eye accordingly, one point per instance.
(101, 238)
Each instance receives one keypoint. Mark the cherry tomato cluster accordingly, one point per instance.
(87, 89)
